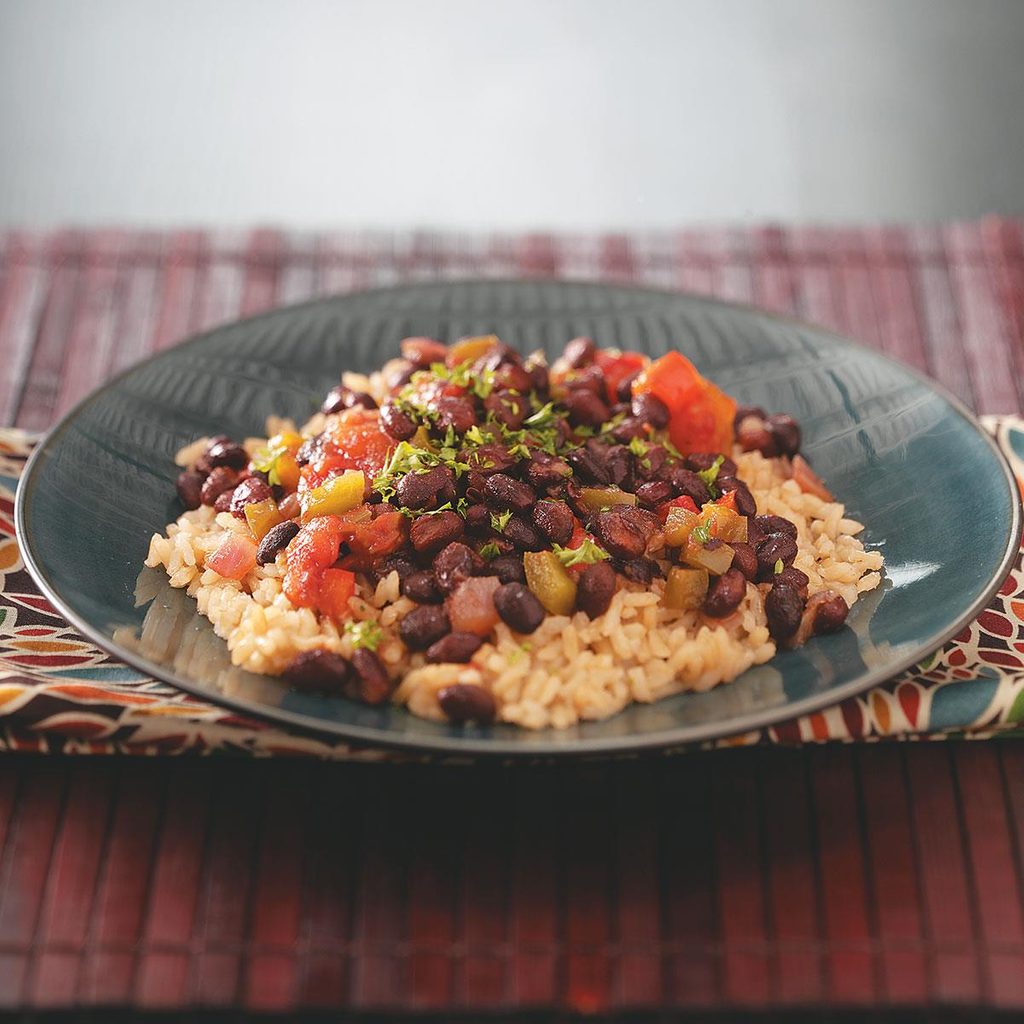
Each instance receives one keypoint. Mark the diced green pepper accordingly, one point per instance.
(550, 583)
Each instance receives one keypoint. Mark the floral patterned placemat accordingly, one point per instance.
(59, 693)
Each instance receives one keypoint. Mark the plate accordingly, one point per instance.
(906, 458)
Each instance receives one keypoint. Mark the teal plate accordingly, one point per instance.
(910, 462)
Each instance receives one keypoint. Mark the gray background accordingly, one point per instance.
(533, 113)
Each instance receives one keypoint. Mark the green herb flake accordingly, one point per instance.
(701, 534)
(499, 521)
(366, 634)
(490, 551)
(710, 475)
(265, 461)
(779, 566)
(520, 652)
(638, 446)
(586, 554)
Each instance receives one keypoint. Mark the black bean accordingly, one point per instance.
(457, 413)
(545, 470)
(629, 428)
(620, 536)
(488, 458)
(829, 614)
(641, 570)
(457, 562)
(190, 488)
(455, 648)
(770, 551)
(276, 539)
(595, 589)
(585, 408)
(698, 461)
(248, 492)
(744, 411)
(745, 503)
(478, 517)
(423, 626)
(524, 535)
(341, 397)
(374, 686)
(226, 453)
(504, 491)
(624, 389)
(725, 593)
(310, 450)
(431, 533)
(579, 352)
(221, 479)
(397, 423)
(776, 524)
(422, 588)
(538, 375)
(786, 432)
(652, 465)
(423, 490)
(753, 435)
(511, 376)
(654, 493)
(467, 702)
(223, 502)
(423, 351)
(398, 373)
(650, 409)
(317, 671)
(399, 563)
(783, 608)
(507, 408)
(744, 558)
(791, 576)
(554, 519)
(587, 467)
(687, 484)
(618, 461)
(508, 568)
(518, 607)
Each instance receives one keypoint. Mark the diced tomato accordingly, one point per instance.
(374, 540)
(355, 441)
(617, 367)
(314, 550)
(701, 415)
(809, 481)
(471, 606)
(684, 501)
(336, 587)
(235, 557)
(579, 535)
(728, 501)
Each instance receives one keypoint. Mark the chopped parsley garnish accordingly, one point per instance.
(364, 634)
(407, 458)
(638, 446)
(586, 554)
(779, 566)
(701, 534)
(521, 651)
(480, 382)
(265, 461)
(710, 475)
(499, 520)
(490, 551)
(543, 417)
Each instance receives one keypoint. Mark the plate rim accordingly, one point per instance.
(473, 744)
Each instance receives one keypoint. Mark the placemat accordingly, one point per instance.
(59, 693)
(76, 307)
(833, 875)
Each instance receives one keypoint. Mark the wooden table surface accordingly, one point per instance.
(879, 875)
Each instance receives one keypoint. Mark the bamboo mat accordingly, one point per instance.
(875, 876)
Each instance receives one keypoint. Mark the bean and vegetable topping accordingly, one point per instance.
(502, 489)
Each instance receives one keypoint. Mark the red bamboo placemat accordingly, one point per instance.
(871, 877)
